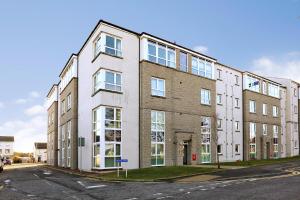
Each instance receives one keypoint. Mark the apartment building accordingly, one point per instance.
(52, 130)
(68, 115)
(291, 115)
(262, 118)
(229, 112)
(135, 96)
(7, 146)
(177, 104)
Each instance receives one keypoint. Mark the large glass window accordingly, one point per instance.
(69, 143)
(252, 83)
(273, 90)
(205, 140)
(205, 97)
(69, 102)
(275, 111)
(157, 87)
(265, 109)
(109, 44)
(252, 140)
(275, 141)
(108, 80)
(202, 68)
(265, 129)
(183, 62)
(157, 138)
(112, 136)
(161, 54)
(96, 137)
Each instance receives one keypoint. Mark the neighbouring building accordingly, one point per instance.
(291, 115)
(7, 146)
(229, 111)
(135, 96)
(40, 152)
(262, 117)
(52, 133)
(68, 115)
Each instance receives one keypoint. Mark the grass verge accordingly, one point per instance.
(158, 173)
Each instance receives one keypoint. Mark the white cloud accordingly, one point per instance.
(285, 66)
(201, 49)
(31, 96)
(26, 132)
(35, 110)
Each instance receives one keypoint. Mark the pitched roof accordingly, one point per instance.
(7, 138)
(40, 145)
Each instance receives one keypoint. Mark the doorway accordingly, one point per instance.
(185, 153)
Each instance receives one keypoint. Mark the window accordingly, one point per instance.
(202, 68)
(112, 133)
(273, 90)
(63, 107)
(219, 149)
(157, 138)
(264, 87)
(265, 109)
(237, 126)
(62, 145)
(107, 80)
(157, 87)
(69, 102)
(237, 104)
(219, 99)
(206, 135)
(107, 131)
(161, 54)
(252, 106)
(295, 109)
(109, 44)
(252, 140)
(252, 83)
(219, 74)
(219, 123)
(236, 79)
(237, 149)
(69, 144)
(275, 141)
(205, 96)
(295, 127)
(295, 92)
(183, 62)
(265, 129)
(275, 111)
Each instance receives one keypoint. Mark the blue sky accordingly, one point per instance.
(37, 38)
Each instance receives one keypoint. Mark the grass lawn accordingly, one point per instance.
(260, 162)
(157, 173)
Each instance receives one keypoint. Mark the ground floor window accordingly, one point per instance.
(252, 141)
(107, 133)
(157, 138)
(205, 140)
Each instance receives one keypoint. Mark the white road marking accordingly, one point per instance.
(203, 189)
(80, 183)
(36, 175)
(156, 194)
(30, 195)
(7, 181)
(132, 198)
(94, 186)
(181, 190)
(48, 182)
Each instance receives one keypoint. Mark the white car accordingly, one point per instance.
(1, 164)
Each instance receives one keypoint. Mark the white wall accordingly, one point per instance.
(128, 101)
(228, 136)
(40, 152)
(7, 145)
(283, 122)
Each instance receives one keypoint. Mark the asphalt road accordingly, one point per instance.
(281, 181)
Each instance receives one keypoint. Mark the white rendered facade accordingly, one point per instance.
(123, 100)
(229, 113)
(291, 107)
(283, 122)
(6, 148)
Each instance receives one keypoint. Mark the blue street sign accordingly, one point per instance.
(122, 160)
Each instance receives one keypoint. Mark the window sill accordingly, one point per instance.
(238, 131)
(203, 104)
(219, 79)
(220, 154)
(219, 104)
(95, 58)
(237, 154)
(162, 97)
(237, 107)
(252, 112)
(219, 129)
(106, 90)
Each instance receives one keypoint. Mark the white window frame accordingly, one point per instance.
(265, 109)
(100, 82)
(155, 91)
(275, 111)
(252, 106)
(69, 128)
(252, 134)
(63, 107)
(158, 127)
(219, 123)
(69, 98)
(186, 67)
(265, 129)
(196, 68)
(219, 99)
(167, 60)
(205, 96)
(237, 126)
(238, 147)
(205, 139)
(221, 149)
(237, 102)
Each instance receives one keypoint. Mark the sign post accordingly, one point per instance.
(120, 161)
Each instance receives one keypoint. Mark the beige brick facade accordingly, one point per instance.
(52, 138)
(183, 112)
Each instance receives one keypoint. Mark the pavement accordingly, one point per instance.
(280, 181)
